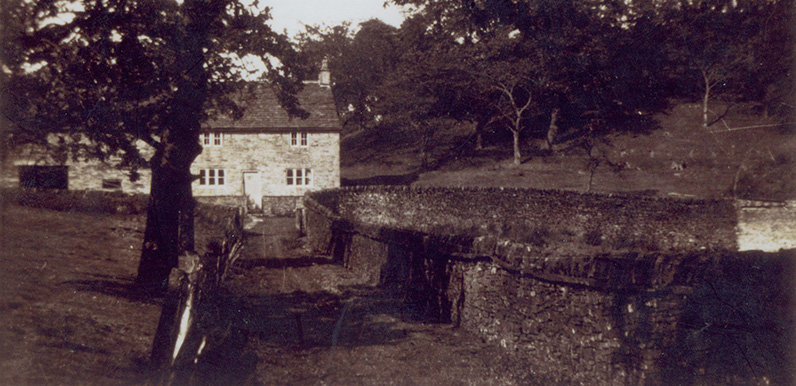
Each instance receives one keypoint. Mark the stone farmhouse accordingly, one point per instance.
(266, 159)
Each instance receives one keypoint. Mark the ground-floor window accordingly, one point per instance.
(112, 183)
(299, 177)
(212, 177)
(46, 177)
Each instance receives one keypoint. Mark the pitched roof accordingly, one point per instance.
(263, 112)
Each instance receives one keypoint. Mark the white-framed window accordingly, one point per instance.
(212, 139)
(299, 177)
(212, 177)
(299, 139)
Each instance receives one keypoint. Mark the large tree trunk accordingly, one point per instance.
(169, 225)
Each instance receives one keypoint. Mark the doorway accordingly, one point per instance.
(253, 190)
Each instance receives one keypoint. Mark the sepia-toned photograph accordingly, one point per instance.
(397, 192)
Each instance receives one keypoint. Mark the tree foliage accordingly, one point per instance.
(359, 62)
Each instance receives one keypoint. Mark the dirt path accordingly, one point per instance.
(309, 322)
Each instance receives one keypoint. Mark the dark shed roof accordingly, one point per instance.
(264, 114)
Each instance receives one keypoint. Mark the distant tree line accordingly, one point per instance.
(556, 70)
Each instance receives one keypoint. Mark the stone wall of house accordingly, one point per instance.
(583, 316)
(270, 154)
(94, 175)
(82, 175)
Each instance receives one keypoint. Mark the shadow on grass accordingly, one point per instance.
(118, 287)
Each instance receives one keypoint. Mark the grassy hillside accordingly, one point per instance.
(742, 155)
(71, 314)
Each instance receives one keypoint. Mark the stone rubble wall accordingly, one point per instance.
(654, 223)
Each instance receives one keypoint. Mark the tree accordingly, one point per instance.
(554, 63)
(770, 80)
(358, 61)
(106, 75)
(713, 48)
(512, 81)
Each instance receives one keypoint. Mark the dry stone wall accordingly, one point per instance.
(708, 314)
(622, 221)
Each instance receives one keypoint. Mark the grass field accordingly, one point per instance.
(70, 315)
(742, 155)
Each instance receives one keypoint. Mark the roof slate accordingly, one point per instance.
(264, 114)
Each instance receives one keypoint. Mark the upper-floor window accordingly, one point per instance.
(212, 177)
(299, 139)
(212, 139)
(299, 177)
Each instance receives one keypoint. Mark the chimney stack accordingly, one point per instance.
(325, 76)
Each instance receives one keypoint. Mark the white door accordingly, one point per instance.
(252, 188)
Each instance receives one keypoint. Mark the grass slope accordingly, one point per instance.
(743, 155)
(69, 312)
